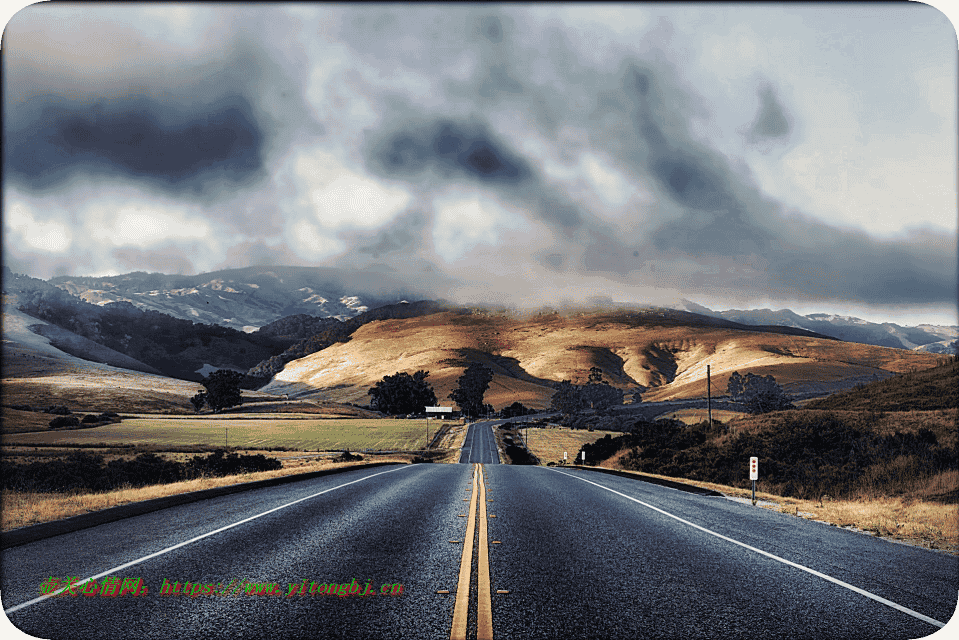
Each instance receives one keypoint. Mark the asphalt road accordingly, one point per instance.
(480, 445)
(581, 555)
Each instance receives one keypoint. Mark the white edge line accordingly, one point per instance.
(880, 599)
(183, 544)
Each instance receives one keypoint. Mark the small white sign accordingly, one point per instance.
(439, 409)
(754, 468)
(564, 456)
(584, 456)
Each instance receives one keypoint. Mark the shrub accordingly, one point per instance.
(802, 454)
(519, 455)
(82, 471)
(346, 456)
(64, 421)
(58, 410)
(90, 419)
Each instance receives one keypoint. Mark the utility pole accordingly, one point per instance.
(709, 397)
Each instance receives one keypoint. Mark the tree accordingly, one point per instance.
(402, 393)
(758, 394)
(599, 394)
(198, 400)
(223, 389)
(567, 398)
(637, 394)
(515, 410)
(472, 387)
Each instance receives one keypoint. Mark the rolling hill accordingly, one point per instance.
(666, 351)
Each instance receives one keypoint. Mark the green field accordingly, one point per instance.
(299, 435)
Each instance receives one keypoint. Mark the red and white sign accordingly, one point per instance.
(754, 468)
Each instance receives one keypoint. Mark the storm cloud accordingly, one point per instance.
(141, 138)
(514, 153)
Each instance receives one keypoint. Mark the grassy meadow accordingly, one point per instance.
(549, 444)
(257, 433)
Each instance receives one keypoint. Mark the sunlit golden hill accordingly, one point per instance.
(666, 353)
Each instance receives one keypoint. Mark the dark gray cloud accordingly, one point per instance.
(138, 138)
(454, 150)
(771, 122)
(604, 146)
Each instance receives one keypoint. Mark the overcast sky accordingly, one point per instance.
(735, 155)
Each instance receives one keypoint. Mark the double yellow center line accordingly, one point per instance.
(484, 606)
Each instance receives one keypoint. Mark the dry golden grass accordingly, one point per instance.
(356, 434)
(526, 354)
(549, 444)
(454, 438)
(15, 421)
(24, 509)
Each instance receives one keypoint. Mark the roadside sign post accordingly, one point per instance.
(564, 457)
(754, 474)
(584, 457)
(709, 398)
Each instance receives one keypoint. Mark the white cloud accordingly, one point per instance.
(142, 225)
(340, 199)
(464, 221)
(611, 185)
(48, 236)
(310, 242)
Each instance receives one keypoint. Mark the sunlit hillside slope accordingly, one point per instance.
(529, 353)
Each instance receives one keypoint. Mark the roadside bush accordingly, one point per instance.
(58, 410)
(519, 455)
(90, 419)
(84, 471)
(346, 456)
(218, 464)
(801, 454)
(64, 421)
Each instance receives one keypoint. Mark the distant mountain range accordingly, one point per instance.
(924, 337)
(253, 297)
(245, 299)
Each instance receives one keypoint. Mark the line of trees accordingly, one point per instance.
(597, 393)
(403, 393)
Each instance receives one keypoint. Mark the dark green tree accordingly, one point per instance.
(567, 398)
(516, 409)
(198, 400)
(223, 389)
(472, 387)
(758, 394)
(402, 393)
(598, 393)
